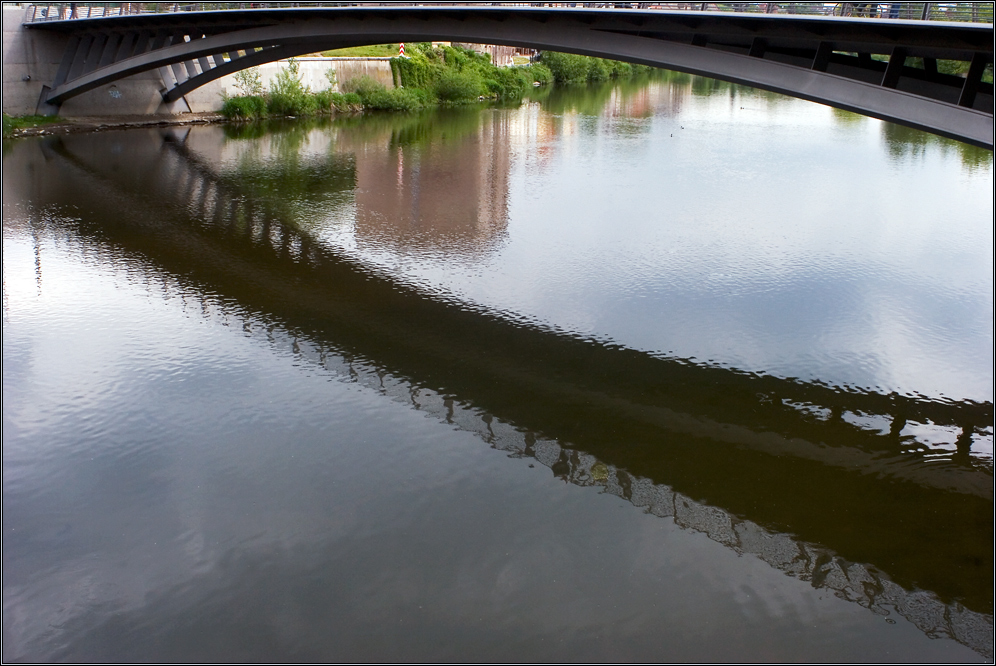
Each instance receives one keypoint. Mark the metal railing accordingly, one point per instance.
(975, 12)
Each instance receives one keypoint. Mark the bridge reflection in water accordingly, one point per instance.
(752, 461)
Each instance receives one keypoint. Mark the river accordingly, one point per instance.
(663, 370)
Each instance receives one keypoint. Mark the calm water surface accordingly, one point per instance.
(665, 371)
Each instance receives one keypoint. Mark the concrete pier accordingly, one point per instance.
(31, 59)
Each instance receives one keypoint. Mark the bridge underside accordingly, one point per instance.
(822, 59)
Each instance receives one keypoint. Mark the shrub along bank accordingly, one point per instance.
(287, 96)
(569, 68)
(427, 77)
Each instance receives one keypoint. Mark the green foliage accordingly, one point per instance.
(287, 82)
(417, 71)
(288, 95)
(244, 108)
(398, 99)
(570, 68)
(509, 83)
(420, 47)
(430, 75)
(372, 94)
(362, 85)
(249, 82)
(279, 104)
(598, 70)
(539, 73)
(13, 123)
(619, 69)
(352, 100)
(460, 59)
(327, 101)
(566, 67)
(458, 76)
(460, 87)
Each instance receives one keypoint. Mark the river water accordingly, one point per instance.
(669, 370)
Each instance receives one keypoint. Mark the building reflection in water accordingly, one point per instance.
(446, 195)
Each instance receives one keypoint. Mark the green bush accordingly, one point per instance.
(569, 68)
(598, 69)
(461, 59)
(566, 67)
(244, 108)
(351, 100)
(288, 96)
(460, 87)
(508, 82)
(362, 85)
(417, 71)
(430, 75)
(249, 82)
(539, 73)
(280, 104)
(619, 69)
(287, 82)
(324, 101)
(327, 101)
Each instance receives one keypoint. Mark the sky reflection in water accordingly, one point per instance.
(183, 480)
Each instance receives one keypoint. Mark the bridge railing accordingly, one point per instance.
(976, 12)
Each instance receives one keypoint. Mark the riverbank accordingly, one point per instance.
(101, 123)
(429, 76)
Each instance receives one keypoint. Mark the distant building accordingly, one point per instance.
(502, 56)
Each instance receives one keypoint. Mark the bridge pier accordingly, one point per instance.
(34, 63)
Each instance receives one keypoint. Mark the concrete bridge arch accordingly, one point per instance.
(821, 59)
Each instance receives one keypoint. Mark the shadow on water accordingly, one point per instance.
(775, 467)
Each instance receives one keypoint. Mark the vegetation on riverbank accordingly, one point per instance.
(569, 68)
(287, 96)
(429, 76)
(12, 124)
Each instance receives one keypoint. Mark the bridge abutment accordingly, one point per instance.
(31, 59)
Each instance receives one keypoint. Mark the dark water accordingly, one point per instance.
(667, 371)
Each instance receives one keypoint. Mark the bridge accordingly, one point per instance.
(885, 69)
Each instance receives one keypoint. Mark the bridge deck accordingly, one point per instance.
(881, 68)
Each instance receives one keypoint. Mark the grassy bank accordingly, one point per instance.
(11, 124)
(429, 76)
(373, 51)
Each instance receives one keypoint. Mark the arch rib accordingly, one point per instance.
(781, 56)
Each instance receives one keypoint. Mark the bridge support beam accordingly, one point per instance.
(801, 56)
